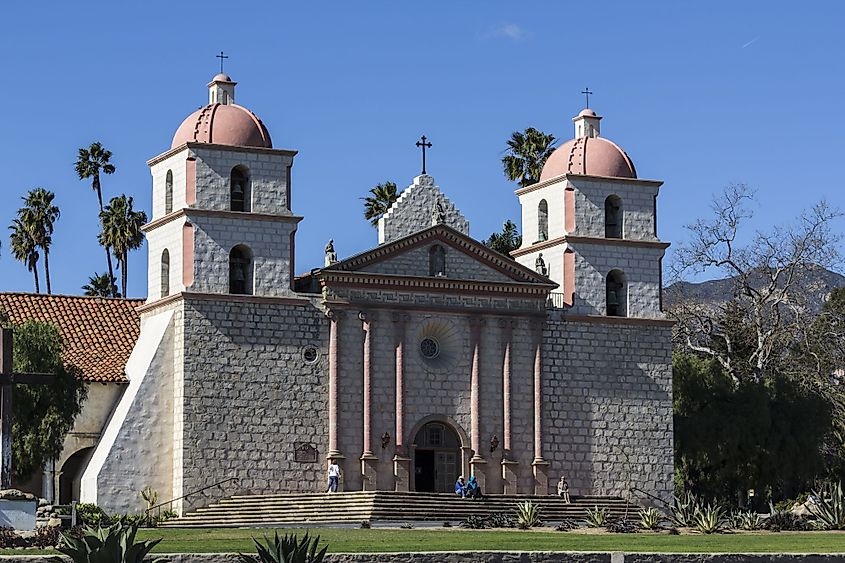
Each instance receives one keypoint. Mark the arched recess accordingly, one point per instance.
(437, 261)
(240, 270)
(436, 465)
(616, 294)
(240, 193)
(613, 217)
(168, 193)
(71, 474)
(542, 221)
(165, 273)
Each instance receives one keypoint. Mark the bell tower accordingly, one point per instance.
(222, 222)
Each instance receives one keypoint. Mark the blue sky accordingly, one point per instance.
(699, 95)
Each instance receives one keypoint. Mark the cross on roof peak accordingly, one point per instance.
(424, 144)
(586, 92)
(221, 56)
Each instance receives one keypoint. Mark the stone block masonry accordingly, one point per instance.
(251, 396)
(412, 212)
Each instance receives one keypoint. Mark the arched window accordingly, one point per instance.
(617, 294)
(436, 261)
(239, 189)
(168, 193)
(613, 217)
(165, 273)
(240, 270)
(542, 221)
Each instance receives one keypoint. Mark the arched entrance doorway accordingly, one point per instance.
(71, 473)
(437, 458)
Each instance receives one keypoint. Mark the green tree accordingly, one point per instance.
(43, 414)
(527, 153)
(25, 248)
(122, 231)
(90, 163)
(100, 285)
(40, 215)
(506, 241)
(379, 201)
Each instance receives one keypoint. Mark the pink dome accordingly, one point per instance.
(591, 156)
(223, 124)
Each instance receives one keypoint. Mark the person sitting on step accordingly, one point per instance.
(461, 487)
(473, 489)
(563, 489)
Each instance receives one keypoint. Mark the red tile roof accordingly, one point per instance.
(98, 333)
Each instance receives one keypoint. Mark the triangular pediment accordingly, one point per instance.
(466, 259)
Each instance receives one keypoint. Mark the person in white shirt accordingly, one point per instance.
(563, 489)
(334, 476)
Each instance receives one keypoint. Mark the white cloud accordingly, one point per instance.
(506, 31)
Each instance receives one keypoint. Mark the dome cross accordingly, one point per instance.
(586, 92)
(221, 56)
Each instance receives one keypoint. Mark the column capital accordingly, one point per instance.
(367, 316)
(397, 317)
(508, 324)
(335, 314)
(477, 321)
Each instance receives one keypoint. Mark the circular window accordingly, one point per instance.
(429, 348)
(310, 354)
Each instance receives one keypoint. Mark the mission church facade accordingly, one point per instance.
(426, 357)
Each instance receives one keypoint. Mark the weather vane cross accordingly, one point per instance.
(587, 93)
(221, 56)
(424, 145)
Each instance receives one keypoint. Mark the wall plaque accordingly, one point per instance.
(303, 452)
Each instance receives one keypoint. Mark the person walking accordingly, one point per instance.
(334, 476)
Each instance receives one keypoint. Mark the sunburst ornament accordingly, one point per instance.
(438, 343)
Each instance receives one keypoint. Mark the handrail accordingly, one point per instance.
(648, 494)
(186, 495)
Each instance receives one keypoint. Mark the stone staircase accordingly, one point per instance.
(351, 508)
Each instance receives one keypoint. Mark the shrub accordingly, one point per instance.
(9, 538)
(650, 518)
(115, 544)
(365, 525)
(784, 520)
(474, 523)
(46, 537)
(621, 526)
(287, 549)
(684, 509)
(829, 507)
(501, 520)
(406, 526)
(567, 525)
(447, 524)
(527, 515)
(596, 517)
(746, 520)
(90, 514)
(709, 519)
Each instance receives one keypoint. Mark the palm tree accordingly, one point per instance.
(100, 285)
(89, 164)
(121, 231)
(377, 204)
(527, 152)
(39, 215)
(506, 241)
(24, 248)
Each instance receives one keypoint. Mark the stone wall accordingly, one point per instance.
(638, 207)
(412, 212)
(176, 164)
(608, 406)
(459, 265)
(167, 236)
(268, 240)
(249, 395)
(268, 176)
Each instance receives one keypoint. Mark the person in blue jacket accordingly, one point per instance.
(473, 489)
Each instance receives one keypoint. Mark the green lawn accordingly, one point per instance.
(437, 539)
(374, 540)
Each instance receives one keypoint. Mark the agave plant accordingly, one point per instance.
(709, 518)
(784, 520)
(596, 517)
(829, 507)
(527, 515)
(114, 544)
(287, 549)
(649, 518)
(684, 509)
(747, 520)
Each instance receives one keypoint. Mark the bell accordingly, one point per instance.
(238, 273)
(238, 190)
(612, 298)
